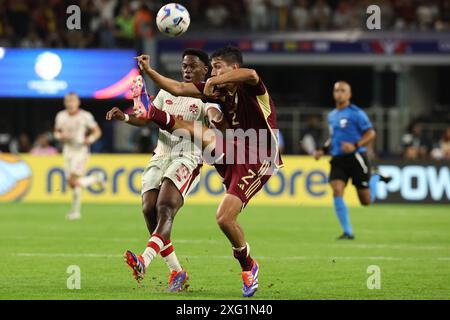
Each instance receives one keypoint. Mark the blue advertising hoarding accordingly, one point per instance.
(51, 73)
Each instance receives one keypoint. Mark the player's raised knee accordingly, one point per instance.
(223, 220)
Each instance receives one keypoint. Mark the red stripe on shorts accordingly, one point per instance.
(194, 175)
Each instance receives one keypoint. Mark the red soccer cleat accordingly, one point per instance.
(142, 105)
(177, 280)
(136, 263)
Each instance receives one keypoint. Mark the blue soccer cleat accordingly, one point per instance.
(177, 280)
(250, 280)
(136, 263)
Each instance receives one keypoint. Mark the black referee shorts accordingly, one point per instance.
(355, 166)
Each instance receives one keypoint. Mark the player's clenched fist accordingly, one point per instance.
(143, 61)
(115, 113)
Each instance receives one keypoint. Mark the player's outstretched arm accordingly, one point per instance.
(117, 114)
(242, 75)
(174, 87)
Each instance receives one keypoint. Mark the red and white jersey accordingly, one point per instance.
(76, 127)
(183, 108)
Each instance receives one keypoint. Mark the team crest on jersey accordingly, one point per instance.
(168, 101)
(343, 122)
(193, 109)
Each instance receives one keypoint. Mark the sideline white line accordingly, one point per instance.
(105, 239)
(99, 255)
(198, 241)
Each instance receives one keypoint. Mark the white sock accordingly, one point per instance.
(242, 248)
(153, 248)
(171, 259)
(89, 180)
(76, 199)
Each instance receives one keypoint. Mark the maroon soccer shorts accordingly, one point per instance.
(244, 180)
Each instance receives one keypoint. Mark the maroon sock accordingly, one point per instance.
(244, 259)
(160, 118)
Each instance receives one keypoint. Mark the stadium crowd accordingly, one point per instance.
(121, 23)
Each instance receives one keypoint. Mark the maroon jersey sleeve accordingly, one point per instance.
(200, 86)
(257, 89)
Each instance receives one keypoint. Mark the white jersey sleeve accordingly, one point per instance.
(158, 100)
(59, 120)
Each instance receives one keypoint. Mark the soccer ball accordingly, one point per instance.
(173, 19)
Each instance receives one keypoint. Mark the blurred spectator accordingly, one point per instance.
(18, 16)
(43, 19)
(279, 11)
(42, 146)
(442, 150)
(111, 23)
(21, 145)
(427, 12)
(346, 16)
(106, 34)
(32, 40)
(387, 10)
(6, 137)
(124, 25)
(443, 21)
(415, 143)
(237, 9)
(106, 9)
(258, 14)
(217, 14)
(143, 25)
(311, 136)
(321, 15)
(300, 15)
(405, 12)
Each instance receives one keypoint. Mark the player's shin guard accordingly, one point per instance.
(154, 246)
(163, 119)
(374, 179)
(342, 214)
(169, 256)
(243, 256)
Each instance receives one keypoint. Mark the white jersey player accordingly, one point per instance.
(77, 130)
(173, 171)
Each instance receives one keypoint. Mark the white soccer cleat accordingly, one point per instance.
(101, 179)
(73, 216)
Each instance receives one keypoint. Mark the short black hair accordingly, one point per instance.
(202, 55)
(230, 54)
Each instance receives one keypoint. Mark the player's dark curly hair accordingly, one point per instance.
(202, 55)
(229, 54)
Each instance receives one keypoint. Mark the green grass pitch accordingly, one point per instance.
(295, 246)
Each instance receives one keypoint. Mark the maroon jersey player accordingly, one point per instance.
(246, 105)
